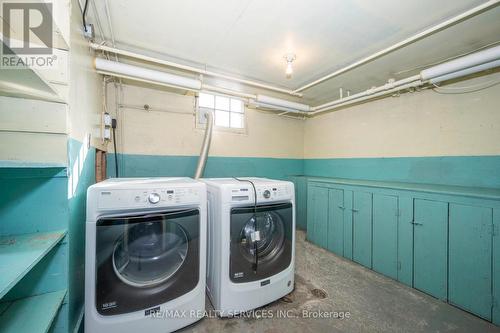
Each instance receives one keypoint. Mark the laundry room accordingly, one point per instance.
(249, 166)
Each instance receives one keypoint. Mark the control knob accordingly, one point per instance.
(267, 194)
(154, 198)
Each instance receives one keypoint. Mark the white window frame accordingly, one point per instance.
(201, 122)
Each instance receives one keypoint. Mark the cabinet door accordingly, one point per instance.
(470, 255)
(348, 224)
(385, 235)
(336, 222)
(496, 267)
(405, 240)
(430, 254)
(300, 201)
(362, 228)
(317, 222)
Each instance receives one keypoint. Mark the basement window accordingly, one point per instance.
(228, 112)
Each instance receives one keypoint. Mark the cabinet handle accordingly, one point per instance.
(341, 207)
(355, 210)
(416, 223)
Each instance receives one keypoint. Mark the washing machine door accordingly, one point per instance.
(261, 241)
(145, 260)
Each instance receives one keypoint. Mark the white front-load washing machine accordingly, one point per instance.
(145, 254)
(251, 242)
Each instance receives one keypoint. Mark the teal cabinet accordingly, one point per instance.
(442, 240)
(385, 234)
(336, 221)
(470, 258)
(430, 257)
(317, 221)
(362, 228)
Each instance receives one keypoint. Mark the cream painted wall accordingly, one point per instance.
(415, 124)
(157, 132)
(85, 86)
(424, 123)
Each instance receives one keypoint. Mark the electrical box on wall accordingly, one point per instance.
(106, 129)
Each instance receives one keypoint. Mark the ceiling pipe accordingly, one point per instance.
(466, 65)
(443, 25)
(470, 64)
(367, 97)
(388, 86)
(138, 56)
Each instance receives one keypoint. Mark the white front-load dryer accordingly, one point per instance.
(145, 254)
(251, 242)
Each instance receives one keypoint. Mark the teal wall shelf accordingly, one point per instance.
(25, 164)
(20, 253)
(33, 314)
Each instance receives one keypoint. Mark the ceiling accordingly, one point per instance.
(249, 38)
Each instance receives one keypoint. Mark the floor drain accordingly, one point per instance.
(319, 293)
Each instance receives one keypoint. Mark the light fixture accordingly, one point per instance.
(289, 69)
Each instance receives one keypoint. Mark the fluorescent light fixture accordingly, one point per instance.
(281, 104)
(478, 58)
(119, 69)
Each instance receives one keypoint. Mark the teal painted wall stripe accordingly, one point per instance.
(154, 166)
(476, 171)
(76, 230)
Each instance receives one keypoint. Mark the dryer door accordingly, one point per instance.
(261, 241)
(145, 260)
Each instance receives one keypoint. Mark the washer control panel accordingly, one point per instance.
(148, 198)
(264, 193)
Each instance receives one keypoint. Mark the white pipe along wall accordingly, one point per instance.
(466, 65)
(465, 15)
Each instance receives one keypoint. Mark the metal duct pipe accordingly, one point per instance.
(144, 74)
(465, 72)
(206, 145)
(461, 63)
(281, 103)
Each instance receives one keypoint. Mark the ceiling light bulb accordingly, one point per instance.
(289, 68)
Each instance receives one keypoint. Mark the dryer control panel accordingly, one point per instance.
(148, 198)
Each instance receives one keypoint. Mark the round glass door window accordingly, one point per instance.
(149, 253)
(263, 232)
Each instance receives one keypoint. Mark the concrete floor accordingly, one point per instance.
(326, 282)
